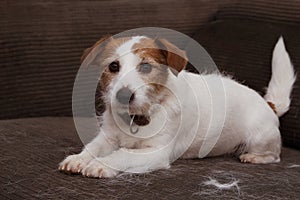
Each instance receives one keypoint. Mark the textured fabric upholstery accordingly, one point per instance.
(34, 147)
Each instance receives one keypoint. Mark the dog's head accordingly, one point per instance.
(136, 70)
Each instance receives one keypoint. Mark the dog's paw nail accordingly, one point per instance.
(100, 172)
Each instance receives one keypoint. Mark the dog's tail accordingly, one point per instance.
(282, 80)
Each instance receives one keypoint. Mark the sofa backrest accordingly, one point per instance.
(42, 42)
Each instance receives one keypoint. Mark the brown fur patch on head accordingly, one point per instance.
(272, 105)
(147, 48)
(112, 45)
(105, 80)
(107, 51)
(150, 53)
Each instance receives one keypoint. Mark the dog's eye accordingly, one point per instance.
(145, 68)
(114, 67)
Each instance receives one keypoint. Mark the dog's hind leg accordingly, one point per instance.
(263, 148)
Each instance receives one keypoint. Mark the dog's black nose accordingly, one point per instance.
(125, 96)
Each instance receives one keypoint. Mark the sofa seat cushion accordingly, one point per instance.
(33, 147)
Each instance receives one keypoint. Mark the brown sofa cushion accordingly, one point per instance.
(243, 48)
(32, 149)
(42, 42)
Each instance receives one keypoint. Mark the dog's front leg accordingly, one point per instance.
(129, 160)
(99, 146)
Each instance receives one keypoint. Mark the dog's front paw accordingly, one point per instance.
(74, 163)
(97, 170)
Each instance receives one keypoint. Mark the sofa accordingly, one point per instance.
(41, 45)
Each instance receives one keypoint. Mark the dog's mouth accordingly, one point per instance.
(140, 120)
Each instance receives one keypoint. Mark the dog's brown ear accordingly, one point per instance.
(87, 51)
(176, 58)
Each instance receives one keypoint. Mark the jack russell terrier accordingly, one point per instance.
(157, 112)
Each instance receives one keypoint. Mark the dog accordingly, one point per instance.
(157, 112)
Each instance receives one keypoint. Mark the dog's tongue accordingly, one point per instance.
(140, 120)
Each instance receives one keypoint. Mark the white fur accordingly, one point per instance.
(283, 78)
(225, 186)
(199, 119)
